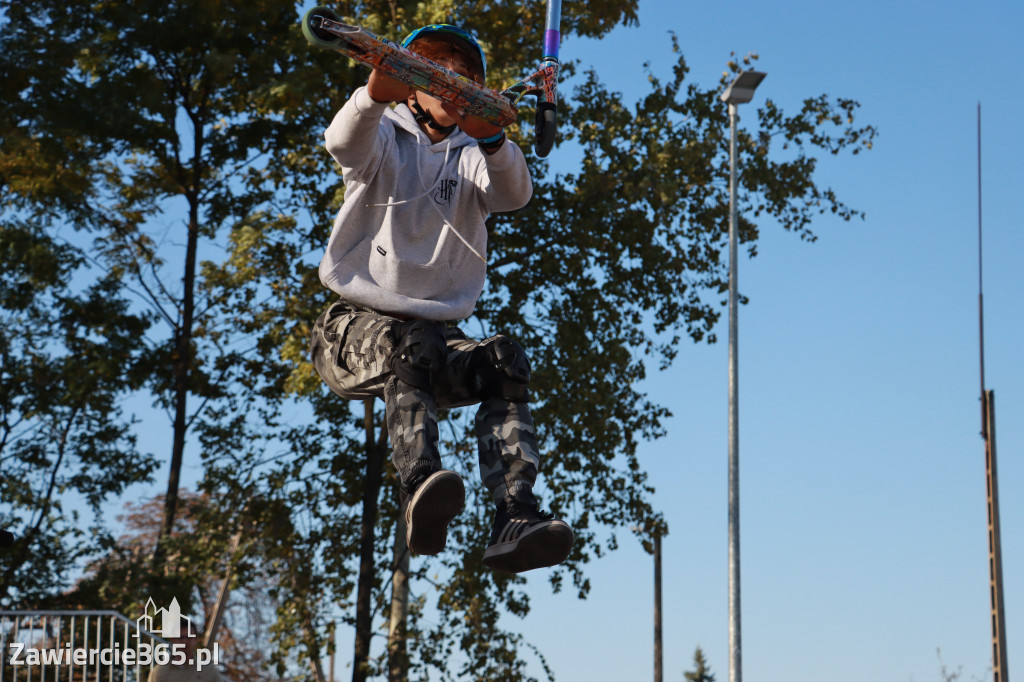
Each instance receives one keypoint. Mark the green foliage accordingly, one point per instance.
(68, 358)
(183, 141)
(610, 266)
(701, 670)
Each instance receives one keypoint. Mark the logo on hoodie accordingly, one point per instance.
(445, 191)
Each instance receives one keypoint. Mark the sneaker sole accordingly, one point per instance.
(544, 546)
(437, 501)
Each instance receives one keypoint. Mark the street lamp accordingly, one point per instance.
(740, 91)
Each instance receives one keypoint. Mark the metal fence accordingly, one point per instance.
(73, 646)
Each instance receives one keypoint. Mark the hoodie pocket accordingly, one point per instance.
(425, 281)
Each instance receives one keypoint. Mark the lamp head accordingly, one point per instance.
(741, 90)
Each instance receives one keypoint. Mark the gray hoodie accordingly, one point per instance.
(410, 238)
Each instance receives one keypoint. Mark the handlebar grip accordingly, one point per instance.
(545, 128)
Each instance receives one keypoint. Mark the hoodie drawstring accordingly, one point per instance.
(430, 189)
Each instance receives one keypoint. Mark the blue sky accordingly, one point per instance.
(863, 517)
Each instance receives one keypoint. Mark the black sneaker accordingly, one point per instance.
(525, 538)
(433, 505)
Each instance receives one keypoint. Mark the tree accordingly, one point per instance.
(199, 554)
(67, 361)
(180, 116)
(196, 130)
(701, 671)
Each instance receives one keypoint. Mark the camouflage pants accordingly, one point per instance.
(351, 348)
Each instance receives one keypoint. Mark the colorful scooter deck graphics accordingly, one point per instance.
(323, 29)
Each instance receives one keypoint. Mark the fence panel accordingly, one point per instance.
(73, 646)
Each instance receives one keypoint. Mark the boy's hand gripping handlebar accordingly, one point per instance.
(322, 28)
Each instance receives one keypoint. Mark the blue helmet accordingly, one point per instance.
(451, 30)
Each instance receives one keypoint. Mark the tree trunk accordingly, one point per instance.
(364, 590)
(210, 636)
(314, 651)
(398, 657)
(183, 360)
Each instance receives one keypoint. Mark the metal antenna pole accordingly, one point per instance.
(1000, 672)
(981, 298)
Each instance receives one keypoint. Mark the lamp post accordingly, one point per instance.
(657, 608)
(740, 91)
(656, 534)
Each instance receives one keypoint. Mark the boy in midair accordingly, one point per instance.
(407, 256)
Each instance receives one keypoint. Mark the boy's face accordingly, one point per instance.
(432, 105)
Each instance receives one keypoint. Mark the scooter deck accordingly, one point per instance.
(323, 29)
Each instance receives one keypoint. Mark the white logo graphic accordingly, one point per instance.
(170, 621)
